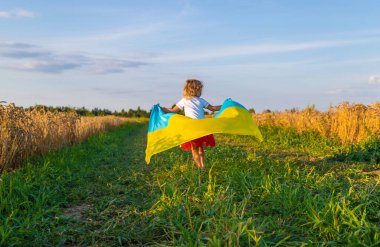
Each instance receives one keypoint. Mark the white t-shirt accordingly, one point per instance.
(193, 107)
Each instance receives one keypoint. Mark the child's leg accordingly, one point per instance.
(201, 155)
(194, 151)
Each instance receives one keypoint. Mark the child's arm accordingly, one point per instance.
(175, 109)
(214, 108)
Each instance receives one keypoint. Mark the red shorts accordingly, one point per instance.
(208, 141)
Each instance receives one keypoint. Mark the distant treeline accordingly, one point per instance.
(82, 111)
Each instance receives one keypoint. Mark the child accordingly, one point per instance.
(193, 106)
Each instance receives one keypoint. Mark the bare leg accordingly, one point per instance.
(201, 154)
(194, 151)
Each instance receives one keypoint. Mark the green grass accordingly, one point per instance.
(290, 190)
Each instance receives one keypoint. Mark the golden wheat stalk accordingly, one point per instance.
(24, 133)
(349, 123)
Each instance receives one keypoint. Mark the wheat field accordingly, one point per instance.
(24, 133)
(349, 123)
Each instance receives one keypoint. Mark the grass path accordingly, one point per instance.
(63, 198)
(290, 190)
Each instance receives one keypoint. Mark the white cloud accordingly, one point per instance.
(27, 57)
(243, 50)
(22, 13)
(374, 79)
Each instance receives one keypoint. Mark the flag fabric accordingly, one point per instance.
(168, 130)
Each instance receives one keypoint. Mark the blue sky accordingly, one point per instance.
(122, 54)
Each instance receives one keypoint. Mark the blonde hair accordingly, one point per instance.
(193, 88)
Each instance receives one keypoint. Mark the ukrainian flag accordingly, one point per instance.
(168, 130)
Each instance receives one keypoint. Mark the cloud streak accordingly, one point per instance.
(258, 49)
(17, 13)
(22, 56)
(27, 57)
